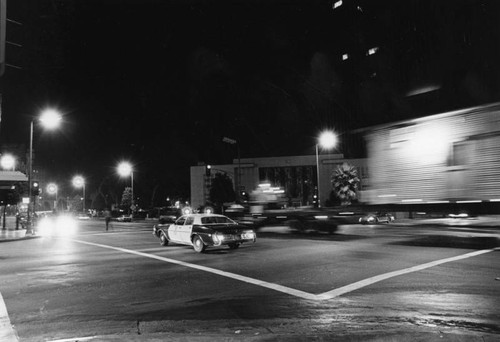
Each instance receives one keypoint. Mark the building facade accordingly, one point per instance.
(296, 175)
(452, 157)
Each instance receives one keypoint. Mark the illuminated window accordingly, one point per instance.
(337, 4)
(372, 51)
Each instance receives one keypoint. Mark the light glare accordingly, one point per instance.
(50, 118)
(327, 140)
(8, 162)
(78, 181)
(124, 169)
(52, 188)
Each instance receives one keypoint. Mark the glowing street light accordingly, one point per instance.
(125, 169)
(327, 140)
(79, 182)
(8, 162)
(49, 119)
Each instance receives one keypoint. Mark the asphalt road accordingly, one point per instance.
(383, 282)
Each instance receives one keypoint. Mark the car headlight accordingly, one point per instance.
(66, 225)
(248, 235)
(45, 226)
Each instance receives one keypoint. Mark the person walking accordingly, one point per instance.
(107, 217)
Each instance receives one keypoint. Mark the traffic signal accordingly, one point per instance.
(244, 196)
(315, 198)
(208, 170)
(35, 188)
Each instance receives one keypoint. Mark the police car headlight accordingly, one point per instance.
(248, 235)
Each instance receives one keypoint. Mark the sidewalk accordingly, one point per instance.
(11, 234)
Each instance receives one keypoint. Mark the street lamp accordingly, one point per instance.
(79, 182)
(52, 190)
(327, 140)
(49, 119)
(125, 169)
(8, 162)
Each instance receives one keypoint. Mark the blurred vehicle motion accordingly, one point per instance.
(124, 218)
(378, 217)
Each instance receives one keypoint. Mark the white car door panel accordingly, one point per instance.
(184, 231)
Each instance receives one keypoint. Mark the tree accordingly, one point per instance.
(126, 198)
(221, 189)
(345, 182)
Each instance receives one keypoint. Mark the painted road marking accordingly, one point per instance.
(272, 286)
(7, 333)
(298, 293)
(368, 281)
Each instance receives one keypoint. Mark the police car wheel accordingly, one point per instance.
(198, 244)
(163, 239)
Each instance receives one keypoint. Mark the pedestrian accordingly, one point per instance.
(31, 225)
(18, 219)
(107, 217)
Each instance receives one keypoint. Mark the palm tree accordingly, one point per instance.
(345, 182)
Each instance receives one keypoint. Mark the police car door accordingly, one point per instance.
(173, 230)
(184, 232)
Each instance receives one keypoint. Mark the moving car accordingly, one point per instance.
(204, 230)
(124, 218)
(377, 218)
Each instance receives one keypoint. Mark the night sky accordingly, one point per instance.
(160, 83)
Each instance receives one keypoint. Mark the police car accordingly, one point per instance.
(204, 230)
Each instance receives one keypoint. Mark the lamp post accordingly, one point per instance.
(53, 190)
(327, 140)
(79, 182)
(49, 119)
(238, 182)
(125, 169)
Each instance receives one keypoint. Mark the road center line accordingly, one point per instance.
(297, 293)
